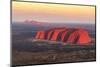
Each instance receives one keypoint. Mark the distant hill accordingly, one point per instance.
(33, 22)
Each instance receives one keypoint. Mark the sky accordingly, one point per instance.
(52, 13)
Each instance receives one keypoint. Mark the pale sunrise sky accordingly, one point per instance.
(52, 13)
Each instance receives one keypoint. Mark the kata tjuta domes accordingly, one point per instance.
(67, 35)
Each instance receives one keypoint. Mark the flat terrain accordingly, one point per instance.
(27, 50)
(42, 52)
(24, 58)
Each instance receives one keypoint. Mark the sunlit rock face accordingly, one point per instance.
(66, 35)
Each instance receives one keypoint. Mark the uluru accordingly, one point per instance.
(66, 35)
